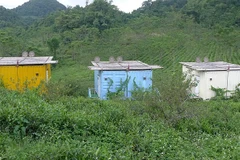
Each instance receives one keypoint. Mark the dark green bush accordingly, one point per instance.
(75, 88)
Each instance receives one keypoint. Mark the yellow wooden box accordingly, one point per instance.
(18, 73)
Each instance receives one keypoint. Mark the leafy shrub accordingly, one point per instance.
(236, 94)
(220, 93)
(168, 101)
(62, 88)
(1, 83)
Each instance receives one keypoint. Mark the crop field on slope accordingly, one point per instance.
(160, 46)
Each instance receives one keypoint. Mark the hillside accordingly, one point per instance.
(35, 9)
(211, 13)
(63, 123)
(28, 13)
(8, 18)
(38, 8)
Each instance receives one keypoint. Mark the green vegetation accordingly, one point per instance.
(62, 123)
(38, 8)
(8, 18)
(28, 13)
(80, 128)
(53, 45)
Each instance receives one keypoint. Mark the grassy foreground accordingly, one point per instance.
(34, 127)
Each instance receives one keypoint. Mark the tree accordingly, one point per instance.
(53, 45)
(100, 14)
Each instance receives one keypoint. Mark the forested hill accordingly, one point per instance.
(101, 19)
(102, 15)
(28, 13)
(8, 18)
(208, 13)
(38, 8)
(33, 10)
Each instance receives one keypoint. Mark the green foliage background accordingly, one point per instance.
(63, 123)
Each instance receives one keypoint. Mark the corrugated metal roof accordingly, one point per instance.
(9, 61)
(211, 66)
(124, 65)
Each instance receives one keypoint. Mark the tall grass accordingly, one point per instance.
(33, 127)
